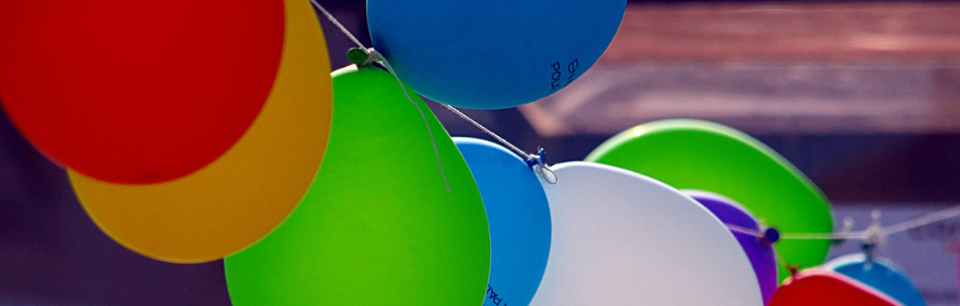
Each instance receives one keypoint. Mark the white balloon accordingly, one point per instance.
(620, 238)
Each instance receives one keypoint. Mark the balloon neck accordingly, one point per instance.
(770, 236)
(794, 270)
(362, 57)
(868, 252)
(874, 238)
(538, 163)
(538, 159)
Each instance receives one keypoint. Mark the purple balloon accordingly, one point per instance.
(762, 257)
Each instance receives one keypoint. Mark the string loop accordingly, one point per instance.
(538, 164)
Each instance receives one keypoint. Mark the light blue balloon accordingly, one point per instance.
(492, 54)
(881, 274)
(519, 219)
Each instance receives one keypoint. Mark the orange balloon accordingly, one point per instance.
(240, 197)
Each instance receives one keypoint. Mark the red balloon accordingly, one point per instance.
(133, 91)
(827, 288)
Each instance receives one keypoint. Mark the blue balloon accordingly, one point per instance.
(519, 219)
(492, 54)
(881, 274)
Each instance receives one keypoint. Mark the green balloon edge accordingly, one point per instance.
(822, 247)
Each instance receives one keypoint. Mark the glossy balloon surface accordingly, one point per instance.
(699, 155)
(135, 92)
(377, 227)
(519, 219)
(620, 238)
(879, 273)
(242, 196)
(492, 54)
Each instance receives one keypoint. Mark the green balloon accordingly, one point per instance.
(691, 154)
(377, 226)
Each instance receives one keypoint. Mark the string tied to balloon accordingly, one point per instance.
(873, 238)
(845, 230)
(875, 234)
(537, 162)
(363, 56)
(366, 56)
(766, 236)
(770, 236)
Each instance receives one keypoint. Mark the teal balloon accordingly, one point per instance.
(377, 226)
(879, 273)
(519, 219)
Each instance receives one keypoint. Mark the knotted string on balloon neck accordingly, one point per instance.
(363, 56)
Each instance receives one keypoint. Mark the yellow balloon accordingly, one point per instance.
(239, 198)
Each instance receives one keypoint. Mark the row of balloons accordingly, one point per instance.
(184, 155)
(176, 86)
(177, 127)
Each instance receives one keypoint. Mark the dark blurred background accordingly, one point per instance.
(862, 96)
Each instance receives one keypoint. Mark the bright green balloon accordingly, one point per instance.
(377, 227)
(691, 154)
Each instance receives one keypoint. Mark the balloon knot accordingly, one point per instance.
(794, 270)
(770, 236)
(538, 164)
(363, 57)
(873, 237)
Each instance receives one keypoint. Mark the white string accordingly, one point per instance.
(801, 236)
(386, 64)
(489, 132)
(862, 235)
(918, 222)
(337, 23)
(826, 236)
(436, 152)
(744, 230)
(548, 174)
(541, 167)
